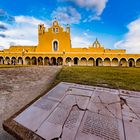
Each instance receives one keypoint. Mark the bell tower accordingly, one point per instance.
(54, 39)
(41, 29)
(68, 28)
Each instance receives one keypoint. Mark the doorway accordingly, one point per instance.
(75, 61)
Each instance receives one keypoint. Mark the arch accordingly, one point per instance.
(91, 62)
(60, 61)
(83, 61)
(40, 60)
(34, 60)
(107, 62)
(46, 61)
(7, 60)
(76, 59)
(13, 60)
(138, 62)
(99, 62)
(53, 61)
(1, 60)
(20, 60)
(115, 62)
(55, 45)
(27, 60)
(68, 61)
(131, 62)
(123, 62)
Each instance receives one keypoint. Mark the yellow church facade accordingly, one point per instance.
(54, 48)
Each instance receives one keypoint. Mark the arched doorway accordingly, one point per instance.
(1, 60)
(27, 60)
(91, 62)
(76, 59)
(123, 62)
(40, 61)
(83, 61)
(68, 61)
(131, 62)
(20, 61)
(115, 62)
(46, 61)
(7, 60)
(60, 61)
(34, 61)
(138, 63)
(53, 61)
(13, 61)
(107, 62)
(99, 62)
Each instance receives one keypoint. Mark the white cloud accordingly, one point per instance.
(95, 6)
(131, 41)
(22, 32)
(67, 15)
(28, 19)
(81, 41)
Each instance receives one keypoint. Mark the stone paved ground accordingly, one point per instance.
(19, 86)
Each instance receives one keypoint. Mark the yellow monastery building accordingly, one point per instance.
(54, 48)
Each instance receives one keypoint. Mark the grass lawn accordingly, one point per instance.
(114, 77)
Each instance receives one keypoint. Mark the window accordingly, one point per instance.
(55, 45)
(55, 30)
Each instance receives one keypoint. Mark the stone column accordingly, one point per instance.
(63, 53)
(127, 63)
(134, 63)
(111, 63)
(43, 62)
(23, 58)
(102, 62)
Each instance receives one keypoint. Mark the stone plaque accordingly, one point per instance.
(80, 91)
(57, 92)
(105, 104)
(132, 129)
(76, 112)
(72, 124)
(131, 117)
(34, 116)
(130, 93)
(99, 127)
(53, 125)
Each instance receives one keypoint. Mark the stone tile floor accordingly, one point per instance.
(19, 86)
(78, 112)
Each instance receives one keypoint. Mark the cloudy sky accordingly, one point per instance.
(116, 23)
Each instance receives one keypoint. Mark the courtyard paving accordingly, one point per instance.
(78, 112)
(19, 86)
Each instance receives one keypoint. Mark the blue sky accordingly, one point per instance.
(116, 23)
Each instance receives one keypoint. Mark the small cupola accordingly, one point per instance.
(96, 44)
